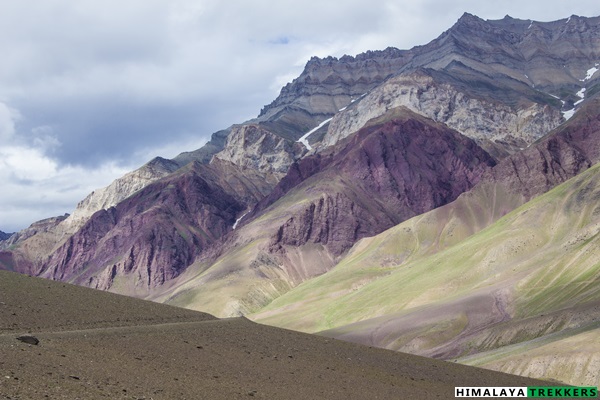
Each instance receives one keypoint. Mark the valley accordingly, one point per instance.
(440, 201)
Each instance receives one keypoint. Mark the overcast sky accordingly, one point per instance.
(90, 90)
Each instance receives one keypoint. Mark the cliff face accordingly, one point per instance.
(545, 55)
(570, 150)
(119, 190)
(383, 175)
(250, 146)
(153, 235)
(485, 120)
(328, 84)
(390, 171)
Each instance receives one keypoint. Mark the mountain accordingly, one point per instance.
(4, 236)
(400, 166)
(356, 185)
(472, 261)
(525, 284)
(158, 231)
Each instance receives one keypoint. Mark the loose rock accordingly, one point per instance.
(29, 339)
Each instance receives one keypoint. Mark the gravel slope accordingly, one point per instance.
(97, 345)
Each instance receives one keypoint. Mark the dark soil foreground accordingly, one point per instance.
(95, 345)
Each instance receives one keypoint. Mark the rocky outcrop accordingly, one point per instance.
(206, 152)
(119, 190)
(485, 120)
(325, 86)
(251, 146)
(383, 175)
(570, 150)
(153, 235)
(545, 55)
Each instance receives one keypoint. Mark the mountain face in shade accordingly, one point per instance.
(374, 160)
(153, 235)
(385, 174)
(4, 236)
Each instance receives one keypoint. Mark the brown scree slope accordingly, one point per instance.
(101, 345)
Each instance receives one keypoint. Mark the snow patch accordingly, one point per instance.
(590, 73)
(304, 138)
(568, 114)
(237, 221)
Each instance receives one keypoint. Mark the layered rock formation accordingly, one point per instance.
(327, 85)
(548, 55)
(119, 190)
(398, 167)
(251, 146)
(486, 120)
(384, 174)
(153, 235)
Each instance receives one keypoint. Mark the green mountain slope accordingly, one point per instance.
(427, 287)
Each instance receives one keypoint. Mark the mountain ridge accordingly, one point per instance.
(449, 136)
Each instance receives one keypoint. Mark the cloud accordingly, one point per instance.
(35, 187)
(8, 116)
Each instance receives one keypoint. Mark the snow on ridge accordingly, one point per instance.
(581, 94)
(304, 138)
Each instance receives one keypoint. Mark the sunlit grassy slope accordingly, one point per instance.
(430, 286)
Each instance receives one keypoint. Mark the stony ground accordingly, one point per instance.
(95, 345)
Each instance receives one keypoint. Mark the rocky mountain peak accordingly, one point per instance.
(326, 85)
(469, 19)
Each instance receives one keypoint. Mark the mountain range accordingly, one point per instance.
(439, 201)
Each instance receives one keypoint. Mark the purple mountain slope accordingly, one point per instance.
(155, 234)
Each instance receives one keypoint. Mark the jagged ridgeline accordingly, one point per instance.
(377, 193)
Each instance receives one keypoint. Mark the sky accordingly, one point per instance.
(90, 90)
